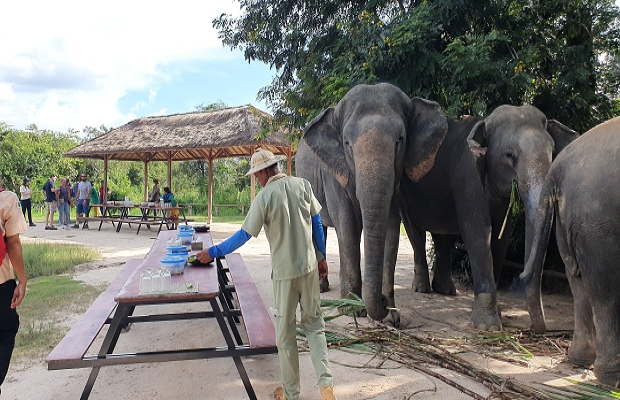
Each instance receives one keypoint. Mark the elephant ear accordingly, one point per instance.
(478, 139)
(478, 142)
(323, 137)
(561, 134)
(426, 131)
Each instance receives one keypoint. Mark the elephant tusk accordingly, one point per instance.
(510, 205)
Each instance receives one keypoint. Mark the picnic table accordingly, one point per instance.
(119, 213)
(226, 289)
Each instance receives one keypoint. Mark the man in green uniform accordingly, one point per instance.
(289, 212)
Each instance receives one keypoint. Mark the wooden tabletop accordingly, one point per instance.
(204, 277)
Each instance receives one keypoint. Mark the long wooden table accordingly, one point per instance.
(119, 214)
(215, 286)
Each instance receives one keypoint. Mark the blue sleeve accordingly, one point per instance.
(229, 245)
(318, 235)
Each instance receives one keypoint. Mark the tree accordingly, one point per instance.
(561, 56)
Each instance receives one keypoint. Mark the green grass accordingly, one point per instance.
(48, 300)
(50, 296)
(45, 259)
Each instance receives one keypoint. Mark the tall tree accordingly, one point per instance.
(470, 56)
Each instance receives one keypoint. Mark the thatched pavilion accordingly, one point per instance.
(204, 135)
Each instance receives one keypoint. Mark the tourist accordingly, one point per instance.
(26, 199)
(49, 193)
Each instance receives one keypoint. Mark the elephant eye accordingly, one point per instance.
(510, 157)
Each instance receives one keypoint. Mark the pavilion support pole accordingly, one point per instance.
(146, 180)
(170, 170)
(106, 157)
(210, 194)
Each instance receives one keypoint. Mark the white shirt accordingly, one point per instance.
(25, 191)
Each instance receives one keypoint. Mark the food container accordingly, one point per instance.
(186, 237)
(184, 255)
(176, 249)
(186, 228)
(174, 264)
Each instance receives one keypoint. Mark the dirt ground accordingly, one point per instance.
(357, 375)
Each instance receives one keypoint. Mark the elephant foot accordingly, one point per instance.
(324, 285)
(444, 286)
(393, 318)
(485, 316)
(421, 284)
(583, 355)
(608, 372)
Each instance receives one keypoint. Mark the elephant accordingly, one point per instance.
(353, 155)
(468, 191)
(581, 193)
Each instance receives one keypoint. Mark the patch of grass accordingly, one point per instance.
(47, 301)
(45, 259)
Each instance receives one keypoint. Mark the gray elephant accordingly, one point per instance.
(467, 192)
(354, 155)
(581, 192)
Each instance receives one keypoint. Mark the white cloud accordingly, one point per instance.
(66, 63)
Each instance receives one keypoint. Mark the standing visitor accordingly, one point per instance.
(82, 193)
(155, 194)
(49, 193)
(64, 201)
(288, 210)
(26, 199)
(12, 291)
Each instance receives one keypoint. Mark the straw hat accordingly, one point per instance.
(262, 159)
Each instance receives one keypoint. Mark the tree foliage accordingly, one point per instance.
(470, 56)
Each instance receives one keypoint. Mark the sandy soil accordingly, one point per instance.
(357, 376)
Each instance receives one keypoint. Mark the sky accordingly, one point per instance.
(67, 64)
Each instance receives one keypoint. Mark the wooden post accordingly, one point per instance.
(106, 157)
(146, 179)
(210, 197)
(252, 179)
(170, 170)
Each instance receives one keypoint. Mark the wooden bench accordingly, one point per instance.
(70, 351)
(256, 320)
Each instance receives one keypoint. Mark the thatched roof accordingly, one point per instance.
(229, 132)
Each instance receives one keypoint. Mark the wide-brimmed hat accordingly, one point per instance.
(262, 159)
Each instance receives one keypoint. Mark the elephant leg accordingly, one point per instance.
(392, 239)
(442, 273)
(324, 282)
(582, 350)
(417, 238)
(477, 237)
(607, 326)
(350, 270)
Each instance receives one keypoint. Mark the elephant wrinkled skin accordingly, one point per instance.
(467, 193)
(354, 155)
(581, 192)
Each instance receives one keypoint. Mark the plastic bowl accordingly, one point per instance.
(184, 255)
(175, 264)
(186, 237)
(176, 249)
(185, 228)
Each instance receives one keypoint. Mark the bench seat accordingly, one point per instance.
(69, 352)
(258, 325)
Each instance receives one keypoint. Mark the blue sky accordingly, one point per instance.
(68, 64)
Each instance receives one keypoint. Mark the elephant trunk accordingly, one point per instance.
(538, 219)
(375, 178)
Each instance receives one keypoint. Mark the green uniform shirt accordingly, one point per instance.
(285, 207)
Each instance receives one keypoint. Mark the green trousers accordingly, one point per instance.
(304, 291)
